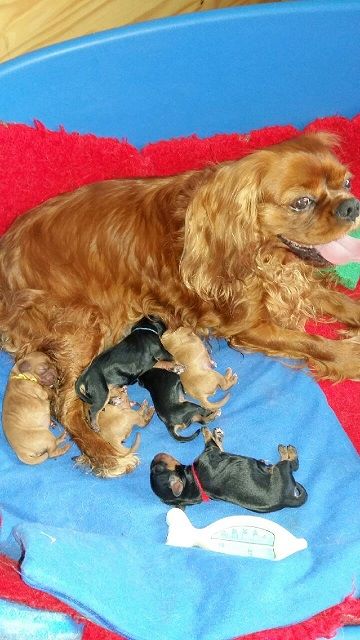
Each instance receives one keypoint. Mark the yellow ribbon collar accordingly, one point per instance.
(24, 376)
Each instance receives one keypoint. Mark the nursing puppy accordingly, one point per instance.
(170, 404)
(117, 421)
(247, 482)
(121, 365)
(198, 378)
(26, 410)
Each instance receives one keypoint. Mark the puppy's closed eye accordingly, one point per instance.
(24, 366)
(158, 468)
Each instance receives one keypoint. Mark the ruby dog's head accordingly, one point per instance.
(307, 200)
(294, 197)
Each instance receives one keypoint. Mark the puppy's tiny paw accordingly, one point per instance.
(179, 368)
(116, 401)
(148, 414)
(292, 452)
(218, 434)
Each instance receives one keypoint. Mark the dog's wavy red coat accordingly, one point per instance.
(201, 249)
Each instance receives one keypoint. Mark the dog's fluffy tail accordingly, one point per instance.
(98, 455)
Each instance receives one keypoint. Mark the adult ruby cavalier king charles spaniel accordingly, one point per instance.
(233, 250)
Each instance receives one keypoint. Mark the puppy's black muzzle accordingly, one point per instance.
(348, 210)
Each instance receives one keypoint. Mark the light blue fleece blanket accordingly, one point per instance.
(99, 545)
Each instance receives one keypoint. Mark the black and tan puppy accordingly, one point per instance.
(217, 475)
(121, 365)
(170, 404)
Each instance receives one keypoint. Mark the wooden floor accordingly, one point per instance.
(26, 25)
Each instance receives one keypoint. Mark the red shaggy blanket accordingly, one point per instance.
(37, 164)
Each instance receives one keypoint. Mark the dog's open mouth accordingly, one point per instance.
(341, 251)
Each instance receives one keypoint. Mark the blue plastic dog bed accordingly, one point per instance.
(221, 71)
(218, 71)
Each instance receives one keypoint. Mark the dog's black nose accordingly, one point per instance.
(348, 209)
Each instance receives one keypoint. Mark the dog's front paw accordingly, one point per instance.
(146, 412)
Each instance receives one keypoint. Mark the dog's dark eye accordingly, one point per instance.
(301, 203)
(347, 183)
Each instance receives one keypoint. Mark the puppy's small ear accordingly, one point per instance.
(176, 485)
(24, 366)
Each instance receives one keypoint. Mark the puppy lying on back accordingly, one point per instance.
(116, 423)
(121, 365)
(244, 481)
(173, 409)
(198, 379)
(26, 410)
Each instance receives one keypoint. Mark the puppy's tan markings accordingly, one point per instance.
(170, 462)
(287, 452)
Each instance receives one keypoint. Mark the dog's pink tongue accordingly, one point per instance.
(347, 249)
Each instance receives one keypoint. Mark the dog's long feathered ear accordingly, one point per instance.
(221, 228)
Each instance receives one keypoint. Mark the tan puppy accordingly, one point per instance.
(198, 379)
(116, 423)
(26, 410)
